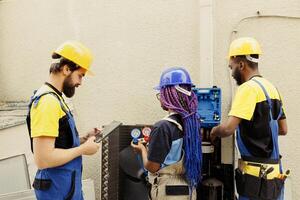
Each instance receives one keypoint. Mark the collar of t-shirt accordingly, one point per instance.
(257, 75)
(53, 88)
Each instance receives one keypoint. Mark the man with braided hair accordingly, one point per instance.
(174, 155)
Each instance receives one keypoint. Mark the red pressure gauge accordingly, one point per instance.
(146, 133)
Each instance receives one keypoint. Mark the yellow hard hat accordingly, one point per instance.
(244, 46)
(77, 53)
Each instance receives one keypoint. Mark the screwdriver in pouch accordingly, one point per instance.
(266, 172)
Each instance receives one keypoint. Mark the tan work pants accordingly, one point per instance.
(169, 176)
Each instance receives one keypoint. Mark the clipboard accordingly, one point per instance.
(108, 129)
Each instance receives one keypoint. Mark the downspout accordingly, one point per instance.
(206, 43)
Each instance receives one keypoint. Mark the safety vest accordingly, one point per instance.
(169, 182)
(62, 182)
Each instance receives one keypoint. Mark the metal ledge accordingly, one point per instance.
(12, 113)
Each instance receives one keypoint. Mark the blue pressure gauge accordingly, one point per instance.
(135, 134)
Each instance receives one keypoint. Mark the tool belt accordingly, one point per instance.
(259, 180)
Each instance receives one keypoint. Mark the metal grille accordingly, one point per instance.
(105, 173)
(112, 177)
(110, 167)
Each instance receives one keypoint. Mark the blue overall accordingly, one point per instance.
(274, 129)
(62, 182)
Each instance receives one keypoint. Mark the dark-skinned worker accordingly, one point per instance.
(55, 141)
(173, 157)
(258, 117)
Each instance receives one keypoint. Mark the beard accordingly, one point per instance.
(237, 76)
(68, 87)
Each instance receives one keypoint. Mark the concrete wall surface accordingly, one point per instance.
(133, 41)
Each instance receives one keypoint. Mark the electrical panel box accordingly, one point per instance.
(209, 106)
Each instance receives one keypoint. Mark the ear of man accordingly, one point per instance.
(242, 65)
(66, 70)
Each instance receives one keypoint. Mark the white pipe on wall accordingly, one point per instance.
(206, 65)
(206, 43)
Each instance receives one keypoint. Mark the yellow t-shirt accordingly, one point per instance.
(46, 114)
(250, 104)
(249, 95)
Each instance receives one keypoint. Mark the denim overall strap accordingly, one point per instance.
(273, 123)
(242, 148)
(64, 107)
(274, 129)
(34, 100)
(64, 181)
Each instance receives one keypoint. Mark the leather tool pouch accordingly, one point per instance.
(256, 187)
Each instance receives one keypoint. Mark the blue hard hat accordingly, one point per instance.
(174, 76)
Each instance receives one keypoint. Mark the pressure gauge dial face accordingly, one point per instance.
(146, 131)
(135, 133)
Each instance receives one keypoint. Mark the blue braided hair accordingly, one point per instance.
(186, 106)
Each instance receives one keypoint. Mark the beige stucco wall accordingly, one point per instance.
(132, 42)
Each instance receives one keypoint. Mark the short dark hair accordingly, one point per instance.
(243, 58)
(57, 67)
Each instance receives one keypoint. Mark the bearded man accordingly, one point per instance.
(258, 116)
(55, 141)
